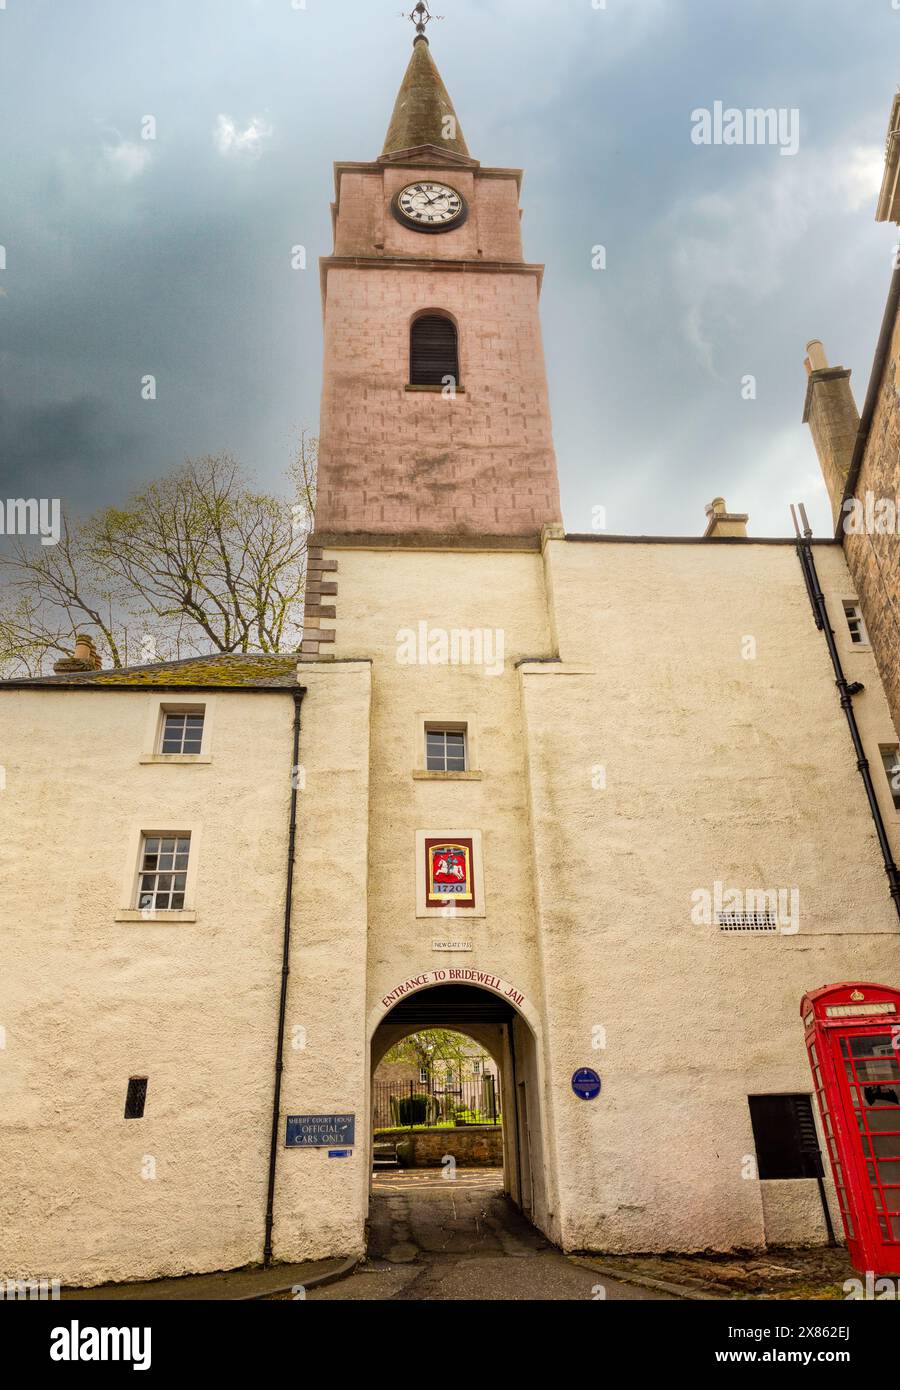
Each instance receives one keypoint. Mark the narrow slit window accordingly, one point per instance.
(136, 1098)
(182, 732)
(445, 750)
(162, 880)
(433, 351)
(784, 1131)
(890, 756)
(856, 623)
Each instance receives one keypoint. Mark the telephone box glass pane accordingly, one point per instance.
(871, 1045)
(877, 1069)
(890, 1228)
(884, 1119)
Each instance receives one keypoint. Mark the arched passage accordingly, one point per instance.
(498, 1017)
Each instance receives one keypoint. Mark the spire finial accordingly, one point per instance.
(421, 17)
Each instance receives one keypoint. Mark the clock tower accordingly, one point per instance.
(435, 418)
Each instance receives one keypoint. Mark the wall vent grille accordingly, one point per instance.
(747, 921)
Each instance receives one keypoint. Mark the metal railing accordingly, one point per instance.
(435, 1104)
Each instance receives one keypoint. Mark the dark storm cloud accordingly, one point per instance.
(51, 449)
(171, 256)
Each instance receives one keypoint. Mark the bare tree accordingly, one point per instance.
(199, 561)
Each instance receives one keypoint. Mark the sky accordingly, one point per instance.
(171, 257)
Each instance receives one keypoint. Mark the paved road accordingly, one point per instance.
(432, 1239)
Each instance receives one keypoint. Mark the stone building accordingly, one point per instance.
(589, 799)
(860, 457)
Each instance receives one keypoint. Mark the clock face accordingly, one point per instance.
(430, 207)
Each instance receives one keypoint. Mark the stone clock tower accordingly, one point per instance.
(435, 419)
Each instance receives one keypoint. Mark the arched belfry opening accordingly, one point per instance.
(433, 350)
(496, 1025)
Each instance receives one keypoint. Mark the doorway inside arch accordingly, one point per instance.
(497, 1113)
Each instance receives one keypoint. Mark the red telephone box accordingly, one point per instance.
(853, 1040)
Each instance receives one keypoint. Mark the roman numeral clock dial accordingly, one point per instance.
(430, 207)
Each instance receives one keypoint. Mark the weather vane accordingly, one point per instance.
(421, 17)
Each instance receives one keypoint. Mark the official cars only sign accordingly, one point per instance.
(320, 1131)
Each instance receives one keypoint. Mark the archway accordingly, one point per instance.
(495, 1015)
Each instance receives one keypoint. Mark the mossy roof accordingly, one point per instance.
(230, 671)
(422, 106)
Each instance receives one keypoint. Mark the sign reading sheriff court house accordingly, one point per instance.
(320, 1131)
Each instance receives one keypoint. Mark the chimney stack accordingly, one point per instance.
(833, 419)
(722, 522)
(889, 198)
(84, 658)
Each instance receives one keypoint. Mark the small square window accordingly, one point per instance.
(423, 1076)
(890, 756)
(136, 1098)
(182, 732)
(162, 878)
(856, 623)
(445, 750)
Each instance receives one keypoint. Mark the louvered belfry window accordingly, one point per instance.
(433, 351)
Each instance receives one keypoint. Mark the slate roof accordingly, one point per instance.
(421, 107)
(238, 671)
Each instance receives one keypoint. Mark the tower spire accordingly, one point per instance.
(423, 112)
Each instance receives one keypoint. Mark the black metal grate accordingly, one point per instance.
(747, 921)
(136, 1098)
(433, 351)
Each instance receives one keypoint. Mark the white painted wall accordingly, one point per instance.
(87, 1001)
(716, 767)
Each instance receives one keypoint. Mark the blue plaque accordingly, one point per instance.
(320, 1131)
(340, 1153)
(586, 1084)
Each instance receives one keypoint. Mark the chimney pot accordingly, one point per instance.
(84, 658)
(817, 360)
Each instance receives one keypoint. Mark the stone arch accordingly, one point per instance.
(529, 1172)
(481, 979)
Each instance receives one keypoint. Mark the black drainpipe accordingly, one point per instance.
(285, 971)
(820, 612)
